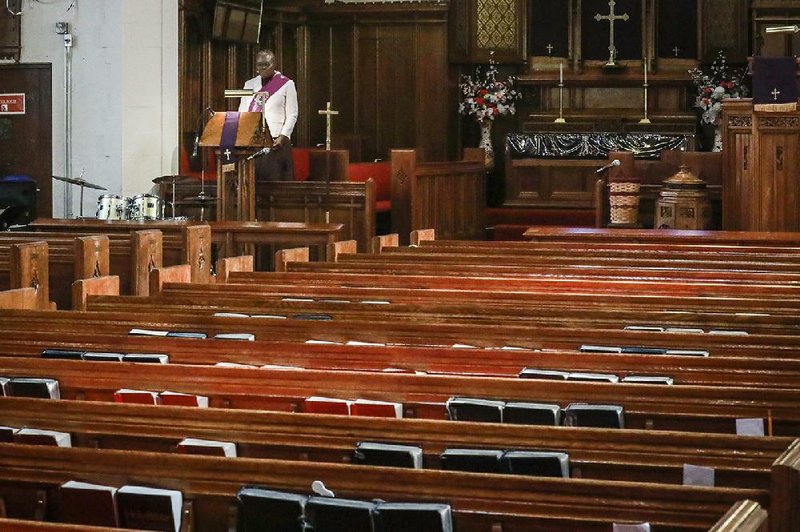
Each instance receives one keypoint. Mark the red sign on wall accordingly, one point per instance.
(12, 104)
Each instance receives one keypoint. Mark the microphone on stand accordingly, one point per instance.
(198, 131)
(259, 153)
(602, 169)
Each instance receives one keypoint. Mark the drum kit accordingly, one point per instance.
(142, 206)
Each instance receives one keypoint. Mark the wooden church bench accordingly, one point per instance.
(572, 234)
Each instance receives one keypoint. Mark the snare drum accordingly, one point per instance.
(145, 207)
(111, 207)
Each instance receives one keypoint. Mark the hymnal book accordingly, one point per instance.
(298, 299)
(643, 350)
(248, 337)
(521, 413)
(328, 300)
(536, 463)
(684, 330)
(463, 346)
(4, 388)
(327, 405)
(590, 415)
(407, 371)
(388, 454)
(625, 527)
(729, 333)
(52, 438)
(187, 334)
(146, 508)
(644, 328)
(207, 447)
(648, 379)
(103, 357)
(514, 348)
(234, 365)
(138, 397)
(474, 460)
(592, 377)
(375, 302)
(419, 517)
(183, 399)
(88, 504)
(269, 316)
(543, 374)
(335, 515)
(322, 342)
(750, 427)
(688, 352)
(370, 408)
(230, 315)
(753, 314)
(34, 387)
(600, 349)
(473, 409)
(262, 509)
(63, 354)
(694, 475)
(146, 358)
(281, 367)
(147, 332)
(360, 343)
(7, 434)
(312, 317)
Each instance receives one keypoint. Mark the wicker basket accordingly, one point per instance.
(623, 197)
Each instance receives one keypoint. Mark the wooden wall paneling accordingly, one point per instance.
(432, 96)
(342, 81)
(778, 168)
(724, 23)
(367, 88)
(319, 89)
(401, 86)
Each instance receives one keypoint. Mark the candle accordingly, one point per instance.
(561, 73)
(645, 70)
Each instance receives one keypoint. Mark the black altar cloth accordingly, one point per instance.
(590, 145)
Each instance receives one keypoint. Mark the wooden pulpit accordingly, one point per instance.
(236, 181)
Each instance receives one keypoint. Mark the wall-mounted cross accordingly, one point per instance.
(775, 92)
(549, 48)
(676, 50)
(611, 18)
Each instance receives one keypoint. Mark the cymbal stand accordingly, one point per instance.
(81, 208)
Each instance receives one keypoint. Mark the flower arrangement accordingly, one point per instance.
(484, 96)
(721, 83)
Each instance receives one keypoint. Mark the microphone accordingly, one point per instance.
(259, 153)
(201, 120)
(602, 169)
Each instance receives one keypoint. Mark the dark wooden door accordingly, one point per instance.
(26, 140)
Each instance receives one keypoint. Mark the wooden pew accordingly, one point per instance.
(19, 298)
(479, 501)
(446, 196)
(21, 525)
(350, 204)
(28, 267)
(744, 516)
(685, 408)
(572, 234)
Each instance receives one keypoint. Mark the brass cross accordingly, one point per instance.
(775, 92)
(611, 18)
(549, 48)
(676, 50)
(328, 112)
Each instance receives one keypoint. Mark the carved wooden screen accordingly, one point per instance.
(9, 34)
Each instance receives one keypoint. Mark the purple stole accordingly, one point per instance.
(272, 86)
(227, 143)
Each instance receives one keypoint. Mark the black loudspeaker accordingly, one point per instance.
(17, 202)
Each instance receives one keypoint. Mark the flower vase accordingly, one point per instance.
(486, 143)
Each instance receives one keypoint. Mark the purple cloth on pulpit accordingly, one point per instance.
(227, 143)
(774, 80)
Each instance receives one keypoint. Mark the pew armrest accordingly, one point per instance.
(182, 273)
(20, 298)
(343, 246)
(241, 263)
(285, 256)
(107, 285)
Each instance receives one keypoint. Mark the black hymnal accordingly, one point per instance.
(146, 358)
(388, 454)
(147, 508)
(474, 460)
(470, 409)
(88, 504)
(600, 349)
(532, 413)
(642, 350)
(187, 334)
(7, 434)
(537, 463)
(407, 516)
(326, 514)
(34, 387)
(586, 415)
(263, 510)
(103, 357)
(64, 354)
(313, 317)
(545, 374)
